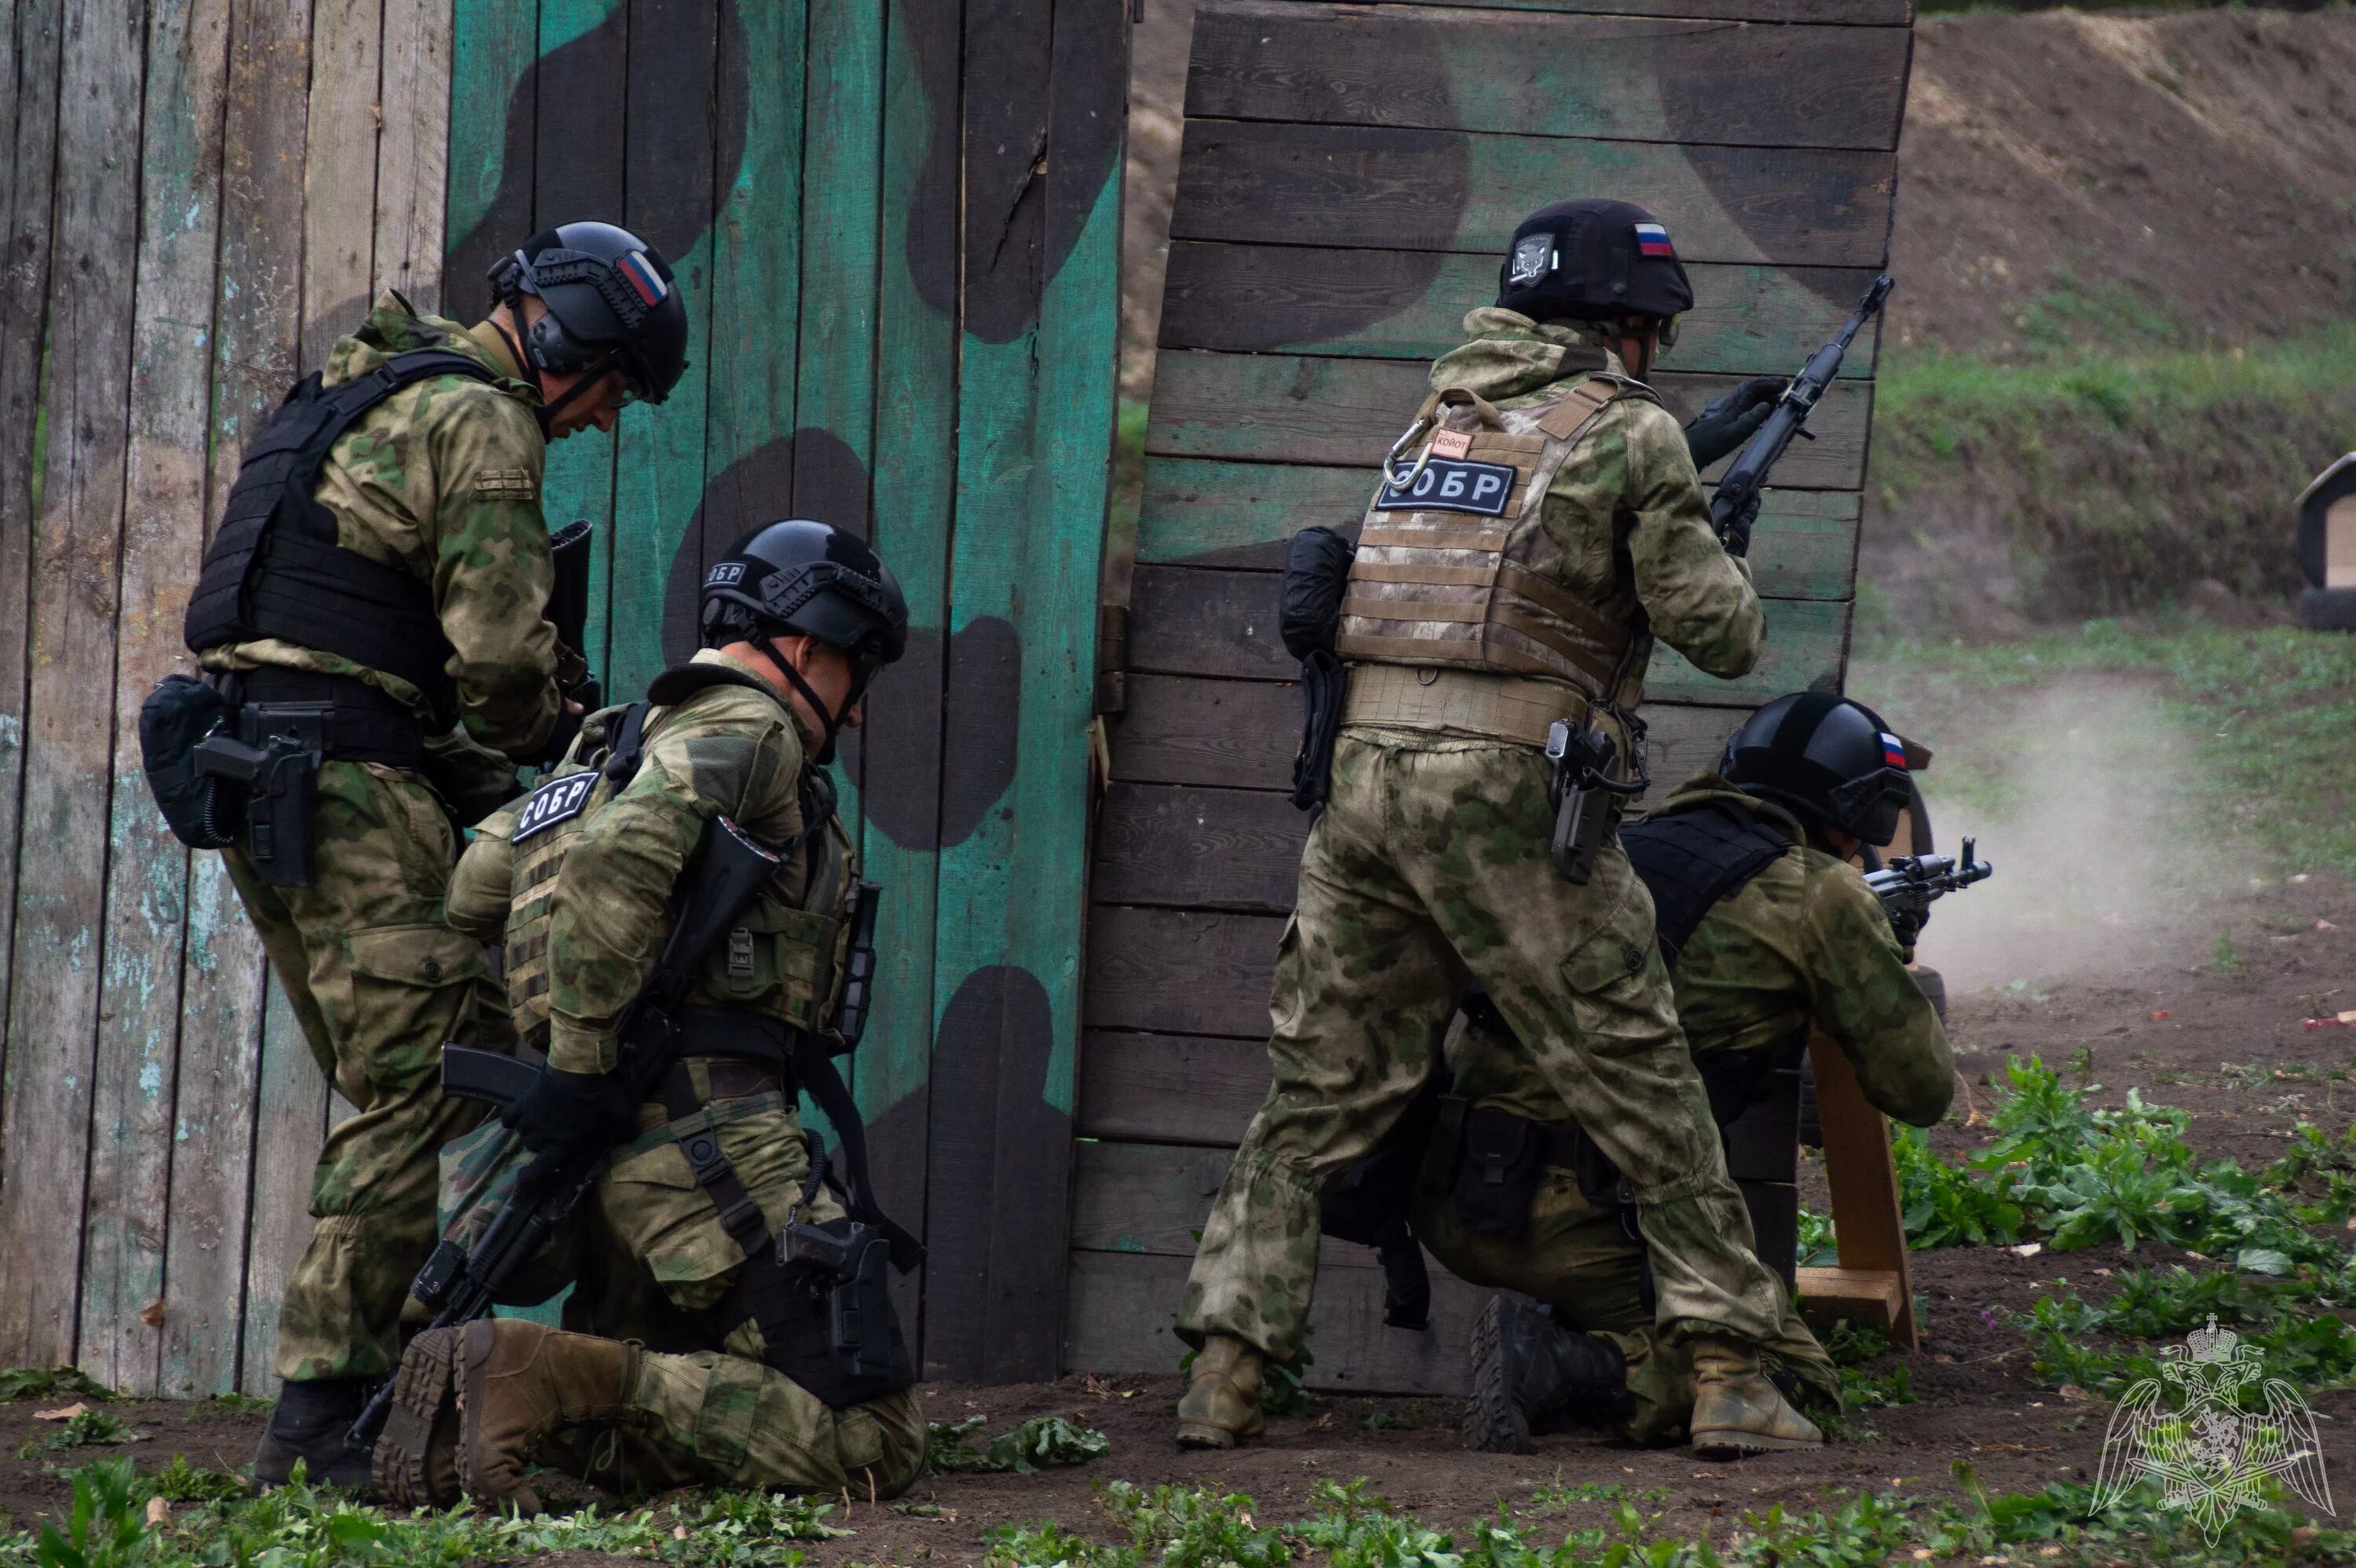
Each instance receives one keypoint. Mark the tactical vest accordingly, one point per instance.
(1691, 860)
(1455, 567)
(785, 960)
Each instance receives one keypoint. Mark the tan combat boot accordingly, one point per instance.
(518, 1381)
(1737, 1412)
(1221, 1406)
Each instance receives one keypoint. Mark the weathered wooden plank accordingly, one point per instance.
(669, 199)
(576, 168)
(28, 116)
(339, 172)
(1854, 12)
(62, 853)
(1178, 847)
(412, 159)
(1282, 407)
(164, 505)
(1186, 730)
(1623, 79)
(1169, 1088)
(1210, 512)
(842, 202)
(256, 339)
(290, 1102)
(1806, 648)
(1150, 1199)
(1409, 305)
(915, 485)
(488, 202)
(1438, 190)
(1118, 1322)
(1180, 971)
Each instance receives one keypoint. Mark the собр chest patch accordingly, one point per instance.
(558, 800)
(1446, 485)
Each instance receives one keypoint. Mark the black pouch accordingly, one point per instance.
(203, 812)
(1499, 1159)
(1309, 619)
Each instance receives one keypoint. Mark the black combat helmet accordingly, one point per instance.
(1830, 760)
(804, 579)
(1593, 259)
(611, 305)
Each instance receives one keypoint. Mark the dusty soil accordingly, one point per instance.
(1977, 1398)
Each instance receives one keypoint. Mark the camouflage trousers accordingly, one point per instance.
(656, 1261)
(1428, 870)
(378, 983)
(1577, 1256)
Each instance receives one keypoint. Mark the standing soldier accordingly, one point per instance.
(1551, 524)
(370, 609)
(705, 1354)
(1769, 932)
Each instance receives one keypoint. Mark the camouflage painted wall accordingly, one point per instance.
(1349, 178)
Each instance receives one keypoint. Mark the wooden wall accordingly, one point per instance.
(896, 227)
(1350, 178)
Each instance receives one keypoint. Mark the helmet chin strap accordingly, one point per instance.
(548, 410)
(833, 721)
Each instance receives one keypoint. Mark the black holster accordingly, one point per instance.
(822, 1297)
(1369, 1206)
(1309, 619)
(273, 763)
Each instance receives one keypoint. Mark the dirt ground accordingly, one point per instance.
(1976, 1397)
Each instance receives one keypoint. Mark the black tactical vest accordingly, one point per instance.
(274, 569)
(1691, 859)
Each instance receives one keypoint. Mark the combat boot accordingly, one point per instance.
(1737, 1412)
(518, 1381)
(308, 1423)
(1528, 1370)
(1221, 1405)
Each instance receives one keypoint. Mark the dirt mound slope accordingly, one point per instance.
(2205, 161)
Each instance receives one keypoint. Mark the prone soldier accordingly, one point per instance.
(701, 1345)
(369, 619)
(1551, 524)
(1769, 932)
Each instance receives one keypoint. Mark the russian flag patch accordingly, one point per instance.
(644, 278)
(1893, 752)
(1652, 240)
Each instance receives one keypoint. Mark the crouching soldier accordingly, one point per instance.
(701, 1344)
(1769, 932)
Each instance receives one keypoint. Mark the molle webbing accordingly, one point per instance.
(1458, 701)
(1443, 583)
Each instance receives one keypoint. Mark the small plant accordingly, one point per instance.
(51, 1382)
(1041, 1442)
(107, 1526)
(181, 1482)
(2224, 957)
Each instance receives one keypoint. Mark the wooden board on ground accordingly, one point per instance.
(1348, 178)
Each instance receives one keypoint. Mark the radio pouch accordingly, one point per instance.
(202, 812)
(1499, 1161)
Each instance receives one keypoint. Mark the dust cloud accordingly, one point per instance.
(2078, 795)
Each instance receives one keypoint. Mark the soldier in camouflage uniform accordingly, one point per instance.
(1773, 933)
(686, 1356)
(1551, 524)
(384, 562)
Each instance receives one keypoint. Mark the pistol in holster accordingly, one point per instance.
(273, 760)
(851, 1261)
(1587, 795)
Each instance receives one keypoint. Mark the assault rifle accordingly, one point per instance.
(568, 609)
(1909, 884)
(723, 874)
(1747, 475)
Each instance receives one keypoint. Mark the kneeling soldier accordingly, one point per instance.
(699, 1348)
(1769, 932)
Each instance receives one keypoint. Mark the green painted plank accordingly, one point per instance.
(1435, 190)
(1410, 304)
(493, 44)
(124, 1227)
(1624, 78)
(1206, 512)
(914, 490)
(1807, 647)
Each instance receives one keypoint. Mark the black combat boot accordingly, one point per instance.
(1528, 1369)
(309, 1425)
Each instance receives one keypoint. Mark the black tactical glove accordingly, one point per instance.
(1738, 531)
(1907, 926)
(1722, 427)
(573, 1111)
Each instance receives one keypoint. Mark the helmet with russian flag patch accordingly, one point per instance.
(612, 304)
(1830, 760)
(1593, 259)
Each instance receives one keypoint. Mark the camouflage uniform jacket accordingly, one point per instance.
(1803, 942)
(442, 479)
(727, 750)
(1627, 508)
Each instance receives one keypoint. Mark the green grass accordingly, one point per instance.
(2265, 716)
